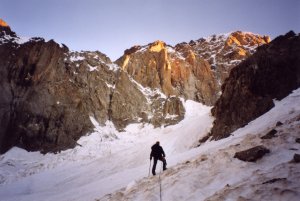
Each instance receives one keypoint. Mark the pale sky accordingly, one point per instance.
(111, 26)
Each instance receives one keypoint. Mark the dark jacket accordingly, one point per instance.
(157, 151)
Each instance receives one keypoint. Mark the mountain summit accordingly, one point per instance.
(194, 70)
(5, 29)
(3, 23)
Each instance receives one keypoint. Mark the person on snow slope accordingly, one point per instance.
(157, 153)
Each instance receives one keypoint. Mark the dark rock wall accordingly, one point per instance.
(38, 107)
(271, 73)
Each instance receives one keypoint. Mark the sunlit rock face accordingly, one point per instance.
(225, 51)
(270, 73)
(160, 66)
(194, 70)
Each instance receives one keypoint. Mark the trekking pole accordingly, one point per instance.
(149, 168)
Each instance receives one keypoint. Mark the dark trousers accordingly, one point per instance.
(155, 162)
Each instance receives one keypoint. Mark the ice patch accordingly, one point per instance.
(18, 40)
(113, 67)
(92, 68)
(76, 58)
(110, 85)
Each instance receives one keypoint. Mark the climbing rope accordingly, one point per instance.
(149, 169)
(160, 189)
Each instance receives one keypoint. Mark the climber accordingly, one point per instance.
(157, 153)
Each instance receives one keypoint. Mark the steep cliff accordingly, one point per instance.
(160, 66)
(270, 73)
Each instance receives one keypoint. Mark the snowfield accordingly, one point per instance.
(114, 166)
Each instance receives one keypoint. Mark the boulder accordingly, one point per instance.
(296, 158)
(252, 154)
(270, 134)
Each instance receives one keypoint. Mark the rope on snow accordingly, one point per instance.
(160, 189)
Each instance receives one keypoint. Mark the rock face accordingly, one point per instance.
(193, 70)
(159, 66)
(225, 51)
(48, 95)
(44, 106)
(271, 73)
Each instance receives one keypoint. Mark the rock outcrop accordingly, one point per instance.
(271, 134)
(194, 70)
(253, 154)
(48, 95)
(296, 158)
(270, 73)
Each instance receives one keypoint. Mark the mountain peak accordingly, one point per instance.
(3, 23)
(157, 46)
(5, 29)
(246, 38)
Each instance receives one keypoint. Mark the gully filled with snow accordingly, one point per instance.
(114, 166)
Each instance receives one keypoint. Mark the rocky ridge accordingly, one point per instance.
(193, 70)
(49, 94)
(225, 51)
(271, 73)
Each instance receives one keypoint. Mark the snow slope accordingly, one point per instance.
(107, 161)
(215, 175)
(115, 166)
